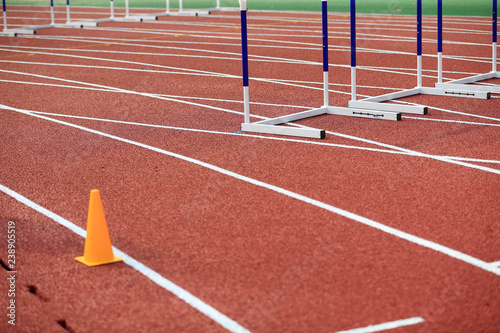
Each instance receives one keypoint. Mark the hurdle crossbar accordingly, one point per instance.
(376, 103)
(494, 74)
(270, 126)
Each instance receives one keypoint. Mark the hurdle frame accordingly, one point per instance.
(69, 24)
(376, 103)
(133, 18)
(269, 126)
(494, 74)
(180, 12)
(5, 31)
(218, 8)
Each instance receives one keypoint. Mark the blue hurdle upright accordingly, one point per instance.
(494, 74)
(270, 126)
(376, 103)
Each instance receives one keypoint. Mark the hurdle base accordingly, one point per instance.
(30, 30)
(7, 33)
(128, 19)
(463, 84)
(271, 126)
(376, 103)
(68, 25)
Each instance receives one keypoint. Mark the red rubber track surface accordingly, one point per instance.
(270, 262)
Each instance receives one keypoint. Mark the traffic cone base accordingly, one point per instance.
(98, 249)
(97, 263)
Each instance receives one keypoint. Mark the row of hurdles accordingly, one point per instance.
(13, 32)
(372, 107)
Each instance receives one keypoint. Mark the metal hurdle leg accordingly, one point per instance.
(376, 103)
(270, 126)
(494, 74)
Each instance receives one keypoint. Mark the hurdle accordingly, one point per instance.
(270, 126)
(167, 12)
(219, 8)
(5, 31)
(376, 103)
(53, 24)
(69, 23)
(30, 30)
(133, 18)
(494, 74)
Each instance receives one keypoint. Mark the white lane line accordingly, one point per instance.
(416, 153)
(316, 143)
(453, 121)
(184, 295)
(354, 217)
(496, 263)
(386, 326)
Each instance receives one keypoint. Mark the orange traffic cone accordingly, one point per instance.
(98, 249)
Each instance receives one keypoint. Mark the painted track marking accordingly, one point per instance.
(386, 326)
(352, 216)
(184, 295)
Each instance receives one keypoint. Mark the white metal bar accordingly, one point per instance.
(180, 6)
(112, 8)
(419, 71)
(440, 67)
(293, 117)
(375, 103)
(246, 100)
(474, 78)
(361, 113)
(455, 92)
(353, 83)
(325, 89)
(68, 14)
(471, 88)
(52, 18)
(284, 130)
(126, 9)
(494, 62)
(4, 20)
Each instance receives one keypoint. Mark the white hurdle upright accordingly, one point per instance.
(270, 126)
(376, 103)
(494, 74)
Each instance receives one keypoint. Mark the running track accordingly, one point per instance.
(391, 223)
